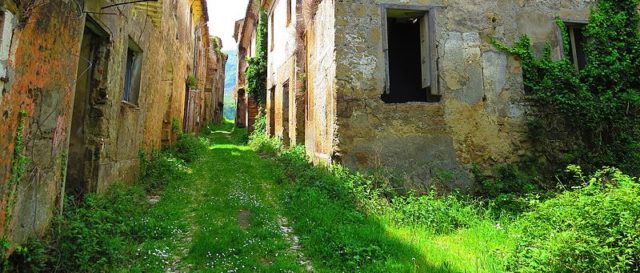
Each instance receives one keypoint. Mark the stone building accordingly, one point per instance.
(245, 34)
(411, 85)
(98, 82)
(214, 89)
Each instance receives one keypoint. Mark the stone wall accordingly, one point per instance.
(41, 82)
(281, 49)
(321, 44)
(44, 73)
(481, 116)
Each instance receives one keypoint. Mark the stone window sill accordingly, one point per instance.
(129, 105)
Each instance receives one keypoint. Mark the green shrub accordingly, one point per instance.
(188, 147)
(594, 228)
(263, 144)
(29, 257)
(98, 233)
(372, 194)
(437, 214)
(160, 168)
(589, 117)
(507, 188)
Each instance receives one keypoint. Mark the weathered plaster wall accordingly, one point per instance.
(214, 89)
(43, 73)
(321, 82)
(41, 82)
(481, 117)
(281, 70)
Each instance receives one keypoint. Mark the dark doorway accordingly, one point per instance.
(285, 114)
(81, 161)
(272, 111)
(185, 117)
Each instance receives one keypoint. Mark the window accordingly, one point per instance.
(132, 73)
(577, 43)
(289, 15)
(410, 52)
(6, 32)
(285, 114)
(271, 22)
(272, 111)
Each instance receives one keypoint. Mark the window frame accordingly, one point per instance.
(289, 12)
(272, 30)
(6, 30)
(430, 12)
(571, 24)
(129, 77)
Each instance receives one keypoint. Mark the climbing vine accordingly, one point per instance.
(257, 69)
(589, 117)
(18, 168)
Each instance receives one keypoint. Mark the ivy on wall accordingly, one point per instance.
(257, 69)
(18, 168)
(597, 107)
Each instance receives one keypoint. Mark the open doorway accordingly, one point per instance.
(82, 163)
(272, 111)
(285, 114)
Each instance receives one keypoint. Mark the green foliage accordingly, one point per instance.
(160, 168)
(260, 142)
(595, 112)
(437, 214)
(594, 228)
(176, 126)
(260, 124)
(188, 148)
(18, 168)
(30, 257)
(257, 70)
(97, 233)
(192, 81)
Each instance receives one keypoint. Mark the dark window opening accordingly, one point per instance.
(577, 42)
(1, 25)
(289, 15)
(272, 111)
(132, 74)
(409, 71)
(285, 114)
(272, 34)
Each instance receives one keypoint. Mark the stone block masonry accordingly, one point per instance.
(98, 85)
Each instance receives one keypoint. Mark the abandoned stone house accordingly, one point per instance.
(245, 34)
(411, 85)
(93, 83)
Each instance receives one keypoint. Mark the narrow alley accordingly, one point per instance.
(233, 210)
(329, 136)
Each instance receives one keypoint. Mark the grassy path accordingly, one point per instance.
(238, 212)
(236, 223)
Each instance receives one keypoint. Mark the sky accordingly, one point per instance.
(222, 17)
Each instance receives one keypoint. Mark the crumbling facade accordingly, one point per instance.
(245, 33)
(414, 86)
(98, 82)
(214, 89)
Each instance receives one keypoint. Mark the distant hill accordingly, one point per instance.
(231, 72)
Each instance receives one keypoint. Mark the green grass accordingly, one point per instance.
(228, 209)
(212, 204)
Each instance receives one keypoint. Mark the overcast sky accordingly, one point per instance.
(222, 17)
